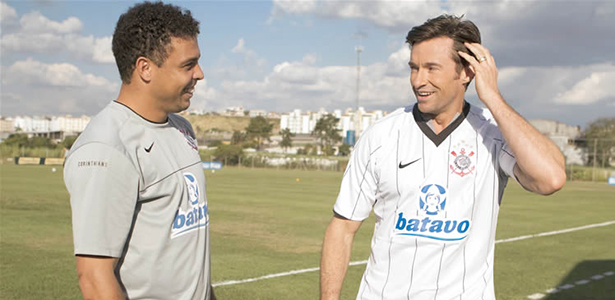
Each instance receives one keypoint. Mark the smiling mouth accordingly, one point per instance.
(189, 90)
(424, 94)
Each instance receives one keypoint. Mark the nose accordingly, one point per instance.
(418, 78)
(198, 73)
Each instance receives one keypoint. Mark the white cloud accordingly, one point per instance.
(8, 14)
(240, 47)
(37, 34)
(381, 12)
(35, 22)
(32, 73)
(595, 87)
(301, 84)
(37, 43)
(495, 10)
(397, 64)
(40, 88)
(203, 93)
(88, 47)
(309, 59)
(250, 58)
(521, 33)
(605, 10)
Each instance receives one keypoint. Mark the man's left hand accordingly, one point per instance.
(485, 71)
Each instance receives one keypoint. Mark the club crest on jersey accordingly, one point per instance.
(191, 141)
(431, 222)
(196, 216)
(462, 160)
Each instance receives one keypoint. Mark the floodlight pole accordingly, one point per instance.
(358, 118)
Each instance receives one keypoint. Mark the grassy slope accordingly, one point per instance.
(207, 122)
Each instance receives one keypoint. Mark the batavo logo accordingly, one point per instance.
(195, 217)
(432, 222)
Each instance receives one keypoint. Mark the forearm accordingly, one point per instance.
(336, 251)
(98, 281)
(541, 165)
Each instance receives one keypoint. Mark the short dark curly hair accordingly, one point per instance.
(146, 30)
(454, 27)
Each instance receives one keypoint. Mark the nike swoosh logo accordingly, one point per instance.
(401, 166)
(150, 148)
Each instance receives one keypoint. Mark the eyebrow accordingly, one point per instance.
(191, 61)
(426, 65)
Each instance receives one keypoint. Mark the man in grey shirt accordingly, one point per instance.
(137, 188)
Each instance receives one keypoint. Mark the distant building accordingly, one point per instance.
(258, 113)
(56, 128)
(234, 111)
(69, 125)
(565, 137)
(196, 112)
(6, 128)
(300, 123)
(7, 125)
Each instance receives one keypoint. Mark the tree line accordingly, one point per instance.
(598, 139)
(258, 132)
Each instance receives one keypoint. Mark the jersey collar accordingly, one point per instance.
(437, 139)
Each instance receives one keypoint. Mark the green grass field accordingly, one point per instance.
(264, 221)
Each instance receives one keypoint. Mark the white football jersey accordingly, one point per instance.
(436, 200)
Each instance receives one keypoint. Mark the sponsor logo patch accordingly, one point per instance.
(432, 221)
(196, 216)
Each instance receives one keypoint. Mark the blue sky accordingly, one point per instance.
(555, 57)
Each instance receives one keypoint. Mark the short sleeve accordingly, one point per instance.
(103, 187)
(507, 161)
(359, 185)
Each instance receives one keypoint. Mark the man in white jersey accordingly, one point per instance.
(137, 187)
(434, 174)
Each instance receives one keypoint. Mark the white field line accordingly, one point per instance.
(362, 262)
(570, 285)
(554, 232)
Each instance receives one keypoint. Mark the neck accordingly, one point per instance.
(141, 103)
(442, 119)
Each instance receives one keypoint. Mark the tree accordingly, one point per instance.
(307, 150)
(17, 139)
(600, 139)
(22, 140)
(229, 154)
(69, 141)
(344, 150)
(328, 134)
(238, 137)
(259, 130)
(287, 140)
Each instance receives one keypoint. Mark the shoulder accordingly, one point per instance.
(181, 123)
(389, 124)
(104, 128)
(483, 122)
(384, 132)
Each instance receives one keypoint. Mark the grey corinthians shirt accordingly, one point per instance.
(137, 192)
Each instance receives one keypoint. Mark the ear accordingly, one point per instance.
(467, 74)
(144, 69)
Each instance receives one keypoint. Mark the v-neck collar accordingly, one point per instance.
(437, 139)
